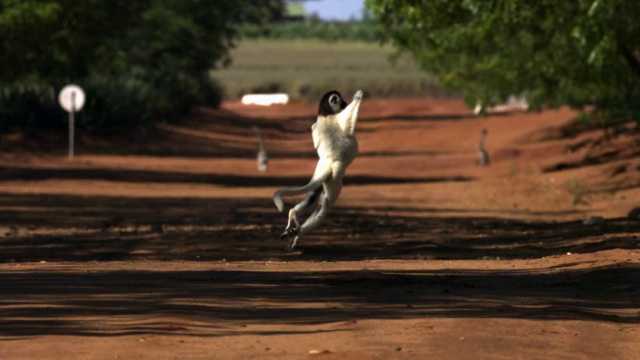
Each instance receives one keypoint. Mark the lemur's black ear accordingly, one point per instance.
(331, 103)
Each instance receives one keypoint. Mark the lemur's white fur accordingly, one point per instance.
(334, 138)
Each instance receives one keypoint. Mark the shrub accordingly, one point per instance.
(112, 103)
(30, 105)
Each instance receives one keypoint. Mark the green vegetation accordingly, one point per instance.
(153, 60)
(139, 61)
(577, 53)
(312, 28)
(310, 68)
(578, 190)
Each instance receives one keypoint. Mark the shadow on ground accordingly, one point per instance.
(16, 173)
(75, 299)
(109, 303)
(79, 228)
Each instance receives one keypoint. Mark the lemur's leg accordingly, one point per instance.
(321, 174)
(293, 224)
(309, 201)
(312, 222)
(330, 191)
(292, 243)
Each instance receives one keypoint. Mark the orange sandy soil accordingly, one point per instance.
(164, 244)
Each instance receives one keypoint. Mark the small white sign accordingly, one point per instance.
(71, 98)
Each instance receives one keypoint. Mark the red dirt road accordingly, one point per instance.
(165, 244)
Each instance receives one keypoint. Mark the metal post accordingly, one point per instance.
(71, 126)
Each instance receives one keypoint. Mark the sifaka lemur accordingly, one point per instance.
(334, 138)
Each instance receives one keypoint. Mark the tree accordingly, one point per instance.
(67, 39)
(63, 39)
(141, 60)
(583, 52)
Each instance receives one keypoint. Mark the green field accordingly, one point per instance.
(307, 69)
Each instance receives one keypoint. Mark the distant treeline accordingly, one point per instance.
(364, 30)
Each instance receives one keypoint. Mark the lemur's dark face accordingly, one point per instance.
(331, 104)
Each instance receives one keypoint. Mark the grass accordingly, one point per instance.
(307, 69)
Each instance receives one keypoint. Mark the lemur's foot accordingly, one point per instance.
(291, 244)
(289, 233)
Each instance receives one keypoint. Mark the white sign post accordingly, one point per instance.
(71, 99)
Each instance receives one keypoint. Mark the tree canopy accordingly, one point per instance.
(67, 39)
(583, 52)
(146, 60)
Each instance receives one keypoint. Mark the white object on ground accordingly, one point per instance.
(265, 99)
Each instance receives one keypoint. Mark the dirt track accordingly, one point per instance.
(165, 244)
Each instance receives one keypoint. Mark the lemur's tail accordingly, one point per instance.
(312, 185)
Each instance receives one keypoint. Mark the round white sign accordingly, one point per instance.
(71, 98)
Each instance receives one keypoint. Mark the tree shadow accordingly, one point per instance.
(8, 173)
(82, 229)
(79, 228)
(205, 303)
(206, 133)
